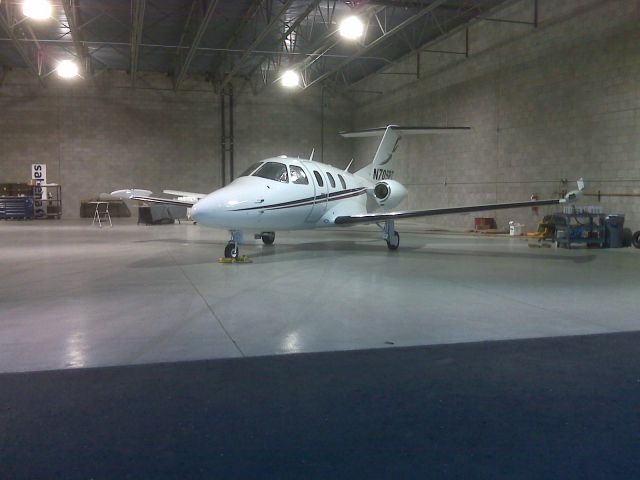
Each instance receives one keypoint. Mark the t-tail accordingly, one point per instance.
(383, 165)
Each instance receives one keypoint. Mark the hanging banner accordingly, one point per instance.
(39, 177)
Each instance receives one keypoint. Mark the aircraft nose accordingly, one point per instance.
(204, 211)
(211, 210)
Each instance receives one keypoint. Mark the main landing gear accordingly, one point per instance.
(268, 237)
(390, 235)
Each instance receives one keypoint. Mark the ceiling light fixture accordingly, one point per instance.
(67, 69)
(290, 79)
(351, 28)
(37, 9)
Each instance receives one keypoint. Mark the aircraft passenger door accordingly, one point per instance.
(321, 186)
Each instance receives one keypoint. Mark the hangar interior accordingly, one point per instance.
(459, 355)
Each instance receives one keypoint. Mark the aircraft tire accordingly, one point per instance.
(231, 251)
(395, 243)
(635, 240)
(627, 237)
(268, 237)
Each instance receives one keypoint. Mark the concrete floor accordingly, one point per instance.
(72, 295)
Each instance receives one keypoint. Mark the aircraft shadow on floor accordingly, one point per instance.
(302, 250)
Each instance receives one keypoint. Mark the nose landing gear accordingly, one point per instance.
(232, 250)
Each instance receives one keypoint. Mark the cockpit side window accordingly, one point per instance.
(250, 170)
(344, 184)
(273, 171)
(298, 176)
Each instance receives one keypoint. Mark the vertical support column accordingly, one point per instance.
(226, 134)
(322, 124)
(231, 141)
(223, 140)
(466, 41)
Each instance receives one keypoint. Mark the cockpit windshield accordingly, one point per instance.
(250, 170)
(273, 171)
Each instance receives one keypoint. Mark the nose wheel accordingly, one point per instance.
(231, 250)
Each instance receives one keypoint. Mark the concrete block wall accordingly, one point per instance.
(545, 104)
(281, 122)
(100, 136)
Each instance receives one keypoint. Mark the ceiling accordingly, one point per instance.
(229, 39)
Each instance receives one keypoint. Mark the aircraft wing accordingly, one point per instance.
(165, 201)
(144, 196)
(380, 217)
(179, 193)
(570, 197)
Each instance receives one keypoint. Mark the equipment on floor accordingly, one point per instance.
(581, 226)
(16, 208)
(160, 214)
(21, 201)
(117, 208)
(239, 259)
(635, 240)
(614, 229)
(101, 213)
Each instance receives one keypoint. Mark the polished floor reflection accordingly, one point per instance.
(72, 295)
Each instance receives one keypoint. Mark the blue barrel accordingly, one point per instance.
(614, 226)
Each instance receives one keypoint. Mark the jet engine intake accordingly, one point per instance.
(389, 193)
(381, 191)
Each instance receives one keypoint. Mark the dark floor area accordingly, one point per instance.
(547, 408)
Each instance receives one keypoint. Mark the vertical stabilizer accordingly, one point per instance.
(382, 166)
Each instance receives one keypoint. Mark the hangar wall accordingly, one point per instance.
(548, 103)
(105, 136)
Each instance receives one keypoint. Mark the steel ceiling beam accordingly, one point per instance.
(251, 12)
(383, 38)
(137, 23)
(204, 24)
(4, 23)
(70, 11)
(292, 27)
(312, 6)
(255, 43)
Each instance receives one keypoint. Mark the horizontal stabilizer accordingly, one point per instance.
(378, 132)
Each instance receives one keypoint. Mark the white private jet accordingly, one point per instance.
(284, 193)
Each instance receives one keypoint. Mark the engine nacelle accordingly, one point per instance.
(389, 193)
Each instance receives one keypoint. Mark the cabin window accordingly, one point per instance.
(273, 171)
(331, 180)
(344, 184)
(318, 178)
(298, 176)
(250, 170)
